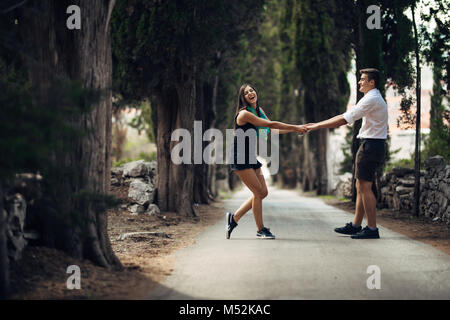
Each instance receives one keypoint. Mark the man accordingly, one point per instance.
(370, 156)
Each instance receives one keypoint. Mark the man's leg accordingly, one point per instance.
(369, 202)
(359, 210)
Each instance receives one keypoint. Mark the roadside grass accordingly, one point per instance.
(325, 197)
(333, 197)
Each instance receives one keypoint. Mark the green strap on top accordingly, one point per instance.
(263, 130)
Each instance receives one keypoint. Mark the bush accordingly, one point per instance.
(403, 163)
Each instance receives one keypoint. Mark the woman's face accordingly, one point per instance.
(250, 95)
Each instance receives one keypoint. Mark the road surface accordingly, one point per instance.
(307, 260)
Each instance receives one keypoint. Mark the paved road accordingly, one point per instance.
(308, 260)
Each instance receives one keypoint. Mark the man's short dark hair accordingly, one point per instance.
(372, 74)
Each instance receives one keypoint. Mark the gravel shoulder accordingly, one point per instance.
(41, 274)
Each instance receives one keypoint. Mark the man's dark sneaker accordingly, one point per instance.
(348, 229)
(231, 224)
(265, 233)
(366, 233)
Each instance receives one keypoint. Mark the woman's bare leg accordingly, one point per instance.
(251, 178)
(243, 209)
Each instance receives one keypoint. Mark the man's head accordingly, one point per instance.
(370, 78)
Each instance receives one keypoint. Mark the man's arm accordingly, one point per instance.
(334, 122)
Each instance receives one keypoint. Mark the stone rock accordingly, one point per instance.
(117, 171)
(15, 212)
(403, 190)
(441, 200)
(401, 172)
(136, 209)
(135, 169)
(344, 186)
(433, 210)
(124, 236)
(407, 182)
(433, 184)
(152, 168)
(385, 191)
(437, 162)
(445, 189)
(140, 192)
(115, 181)
(153, 209)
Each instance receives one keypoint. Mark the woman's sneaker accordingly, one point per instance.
(265, 233)
(231, 224)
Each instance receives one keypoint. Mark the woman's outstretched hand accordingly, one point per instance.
(301, 129)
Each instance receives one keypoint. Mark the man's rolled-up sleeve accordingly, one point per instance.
(357, 112)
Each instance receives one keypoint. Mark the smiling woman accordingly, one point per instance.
(250, 117)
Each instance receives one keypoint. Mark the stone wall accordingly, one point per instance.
(435, 198)
(397, 190)
(139, 178)
(25, 189)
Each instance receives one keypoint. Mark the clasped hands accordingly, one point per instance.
(302, 128)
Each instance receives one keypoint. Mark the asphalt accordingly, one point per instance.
(307, 260)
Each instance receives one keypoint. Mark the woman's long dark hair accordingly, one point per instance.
(242, 103)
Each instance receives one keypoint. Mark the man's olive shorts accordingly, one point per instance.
(369, 158)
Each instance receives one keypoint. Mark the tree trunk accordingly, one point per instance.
(417, 144)
(203, 104)
(212, 168)
(322, 177)
(4, 263)
(82, 55)
(176, 109)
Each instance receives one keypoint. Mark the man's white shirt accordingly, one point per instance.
(373, 109)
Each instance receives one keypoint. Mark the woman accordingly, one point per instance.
(249, 116)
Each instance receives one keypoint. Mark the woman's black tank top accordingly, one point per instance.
(245, 128)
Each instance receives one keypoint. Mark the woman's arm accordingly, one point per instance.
(245, 116)
(277, 131)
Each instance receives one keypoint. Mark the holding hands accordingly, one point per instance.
(312, 126)
(300, 129)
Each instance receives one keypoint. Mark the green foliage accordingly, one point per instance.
(397, 44)
(322, 55)
(438, 143)
(436, 52)
(144, 120)
(155, 43)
